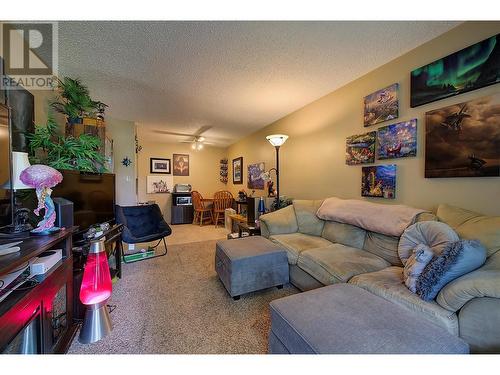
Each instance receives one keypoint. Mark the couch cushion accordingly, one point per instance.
(472, 226)
(388, 283)
(337, 263)
(346, 234)
(308, 222)
(483, 282)
(384, 246)
(345, 319)
(295, 243)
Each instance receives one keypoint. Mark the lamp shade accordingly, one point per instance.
(20, 162)
(96, 283)
(277, 139)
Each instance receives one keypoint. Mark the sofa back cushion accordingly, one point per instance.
(472, 226)
(384, 246)
(345, 234)
(308, 222)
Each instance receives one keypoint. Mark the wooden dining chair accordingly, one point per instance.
(201, 208)
(222, 200)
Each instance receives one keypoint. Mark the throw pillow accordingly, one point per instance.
(456, 259)
(434, 234)
(422, 255)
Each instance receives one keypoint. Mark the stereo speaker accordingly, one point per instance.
(64, 212)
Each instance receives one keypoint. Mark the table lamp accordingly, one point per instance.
(94, 293)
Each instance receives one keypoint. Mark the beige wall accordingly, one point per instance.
(203, 173)
(313, 160)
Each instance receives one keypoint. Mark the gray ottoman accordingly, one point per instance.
(248, 264)
(345, 319)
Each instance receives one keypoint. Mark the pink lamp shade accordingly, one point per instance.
(96, 284)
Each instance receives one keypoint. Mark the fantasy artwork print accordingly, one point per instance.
(382, 105)
(397, 140)
(468, 69)
(379, 181)
(360, 149)
(181, 165)
(463, 140)
(255, 180)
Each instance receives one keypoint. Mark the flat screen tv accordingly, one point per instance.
(6, 203)
(92, 194)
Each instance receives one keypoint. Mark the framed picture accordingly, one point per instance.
(468, 69)
(238, 170)
(360, 149)
(159, 184)
(159, 165)
(382, 105)
(462, 140)
(379, 181)
(397, 140)
(255, 180)
(181, 165)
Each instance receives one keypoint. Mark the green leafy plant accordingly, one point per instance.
(74, 100)
(47, 146)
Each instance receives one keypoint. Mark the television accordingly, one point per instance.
(92, 194)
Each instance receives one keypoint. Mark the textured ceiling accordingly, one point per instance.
(233, 76)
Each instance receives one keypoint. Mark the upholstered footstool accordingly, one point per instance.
(346, 319)
(249, 264)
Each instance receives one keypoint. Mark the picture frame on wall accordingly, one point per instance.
(461, 140)
(238, 171)
(379, 181)
(469, 69)
(181, 164)
(159, 165)
(382, 105)
(360, 148)
(159, 184)
(254, 176)
(397, 140)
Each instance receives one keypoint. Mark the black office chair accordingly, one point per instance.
(143, 224)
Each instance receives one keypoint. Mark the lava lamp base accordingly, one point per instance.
(96, 324)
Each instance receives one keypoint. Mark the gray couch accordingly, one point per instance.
(322, 253)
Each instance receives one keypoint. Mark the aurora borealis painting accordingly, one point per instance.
(468, 69)
(463, 140)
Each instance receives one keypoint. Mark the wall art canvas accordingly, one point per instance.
(382, 105)
(463, 140)
(159, 165)
(360, 149)
(468, 69)
(159, 184)
(397, 140)
(379, 181)
(238, 170)
(255, 180)
(181, 165)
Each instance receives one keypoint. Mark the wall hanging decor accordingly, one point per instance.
(159, 165)
(255, 179)
(379, 181)
(238, 170)
(181, 165)
(463, 140)
(223, 170)
(468, 69)
(159, 184)
(126, 161)
(397, 140)
(360, 149)
(382, 105)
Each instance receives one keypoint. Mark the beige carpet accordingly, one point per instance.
(177, 304)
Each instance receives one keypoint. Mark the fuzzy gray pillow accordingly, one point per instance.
(456, 259)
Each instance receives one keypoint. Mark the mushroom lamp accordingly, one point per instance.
(43, 178)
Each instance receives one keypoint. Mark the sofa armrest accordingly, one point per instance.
(483, 282)
(282, 221)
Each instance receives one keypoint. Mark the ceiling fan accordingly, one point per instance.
(197, 140)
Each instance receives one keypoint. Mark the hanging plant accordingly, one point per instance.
(47, 146)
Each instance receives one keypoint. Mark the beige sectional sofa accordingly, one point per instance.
(327, 252)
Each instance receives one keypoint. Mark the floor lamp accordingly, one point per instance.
(277, 140)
